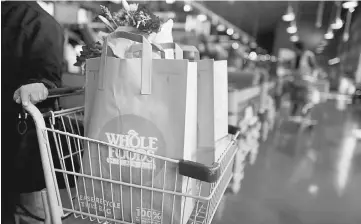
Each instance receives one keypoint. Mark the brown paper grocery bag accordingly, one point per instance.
(145, 105)
(92, 71)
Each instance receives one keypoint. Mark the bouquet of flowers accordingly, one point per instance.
(133, 16)
(88, 51)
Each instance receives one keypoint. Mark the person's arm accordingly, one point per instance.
(44, 52)
(43, 55)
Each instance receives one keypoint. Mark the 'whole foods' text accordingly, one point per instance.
(132, 140)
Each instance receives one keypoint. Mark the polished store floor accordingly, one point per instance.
(303, 177)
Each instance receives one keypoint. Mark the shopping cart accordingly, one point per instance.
(63, 129)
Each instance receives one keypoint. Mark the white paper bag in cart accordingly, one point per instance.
(148, 106)
(212, 107)
(212, 112)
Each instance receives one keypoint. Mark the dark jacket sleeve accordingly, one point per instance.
(44, 53)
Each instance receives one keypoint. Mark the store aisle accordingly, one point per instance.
(303, 178)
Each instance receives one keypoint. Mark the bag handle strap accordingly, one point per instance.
(156, 48)
(192, 49)
(146, 76)
(178, 52)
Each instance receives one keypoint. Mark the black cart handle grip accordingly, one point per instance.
(233, 129)
(200, 171)
(203, 172)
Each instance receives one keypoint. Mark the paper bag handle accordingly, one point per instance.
(146, 66)
(138, 47)
(189, 48)
(178, 52)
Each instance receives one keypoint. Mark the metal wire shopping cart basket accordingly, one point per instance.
(61, 138)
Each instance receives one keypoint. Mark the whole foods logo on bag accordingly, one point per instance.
(137, 134)
(132, 140)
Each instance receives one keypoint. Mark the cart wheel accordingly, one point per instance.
(265, 131)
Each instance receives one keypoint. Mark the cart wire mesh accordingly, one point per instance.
(123, 194)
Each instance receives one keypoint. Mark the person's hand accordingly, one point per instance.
(33, 93)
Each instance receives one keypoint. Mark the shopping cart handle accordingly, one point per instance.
(65, 91)
(200, 171)
(232, 129)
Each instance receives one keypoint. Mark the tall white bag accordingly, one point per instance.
(212, 109)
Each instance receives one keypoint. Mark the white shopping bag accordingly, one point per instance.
(212, 107)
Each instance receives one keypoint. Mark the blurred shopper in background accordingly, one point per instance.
(305, 61)
(301, 91)
(32, 54)
(346, 84)
(258, 70)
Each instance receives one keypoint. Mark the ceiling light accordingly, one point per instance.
(289, 16)
(350, 4)
(345, 37)
(235, 36)
(337, 24)
(221, 28)
(313, 189)
(329, 35)
(245, 39)
(252, 56)
(333, 61)
(230, 31)
(235, 45)
(202, 17)
(253, 45)
(292, 29)
(169, 1)
(294, 38)
(187, 8)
